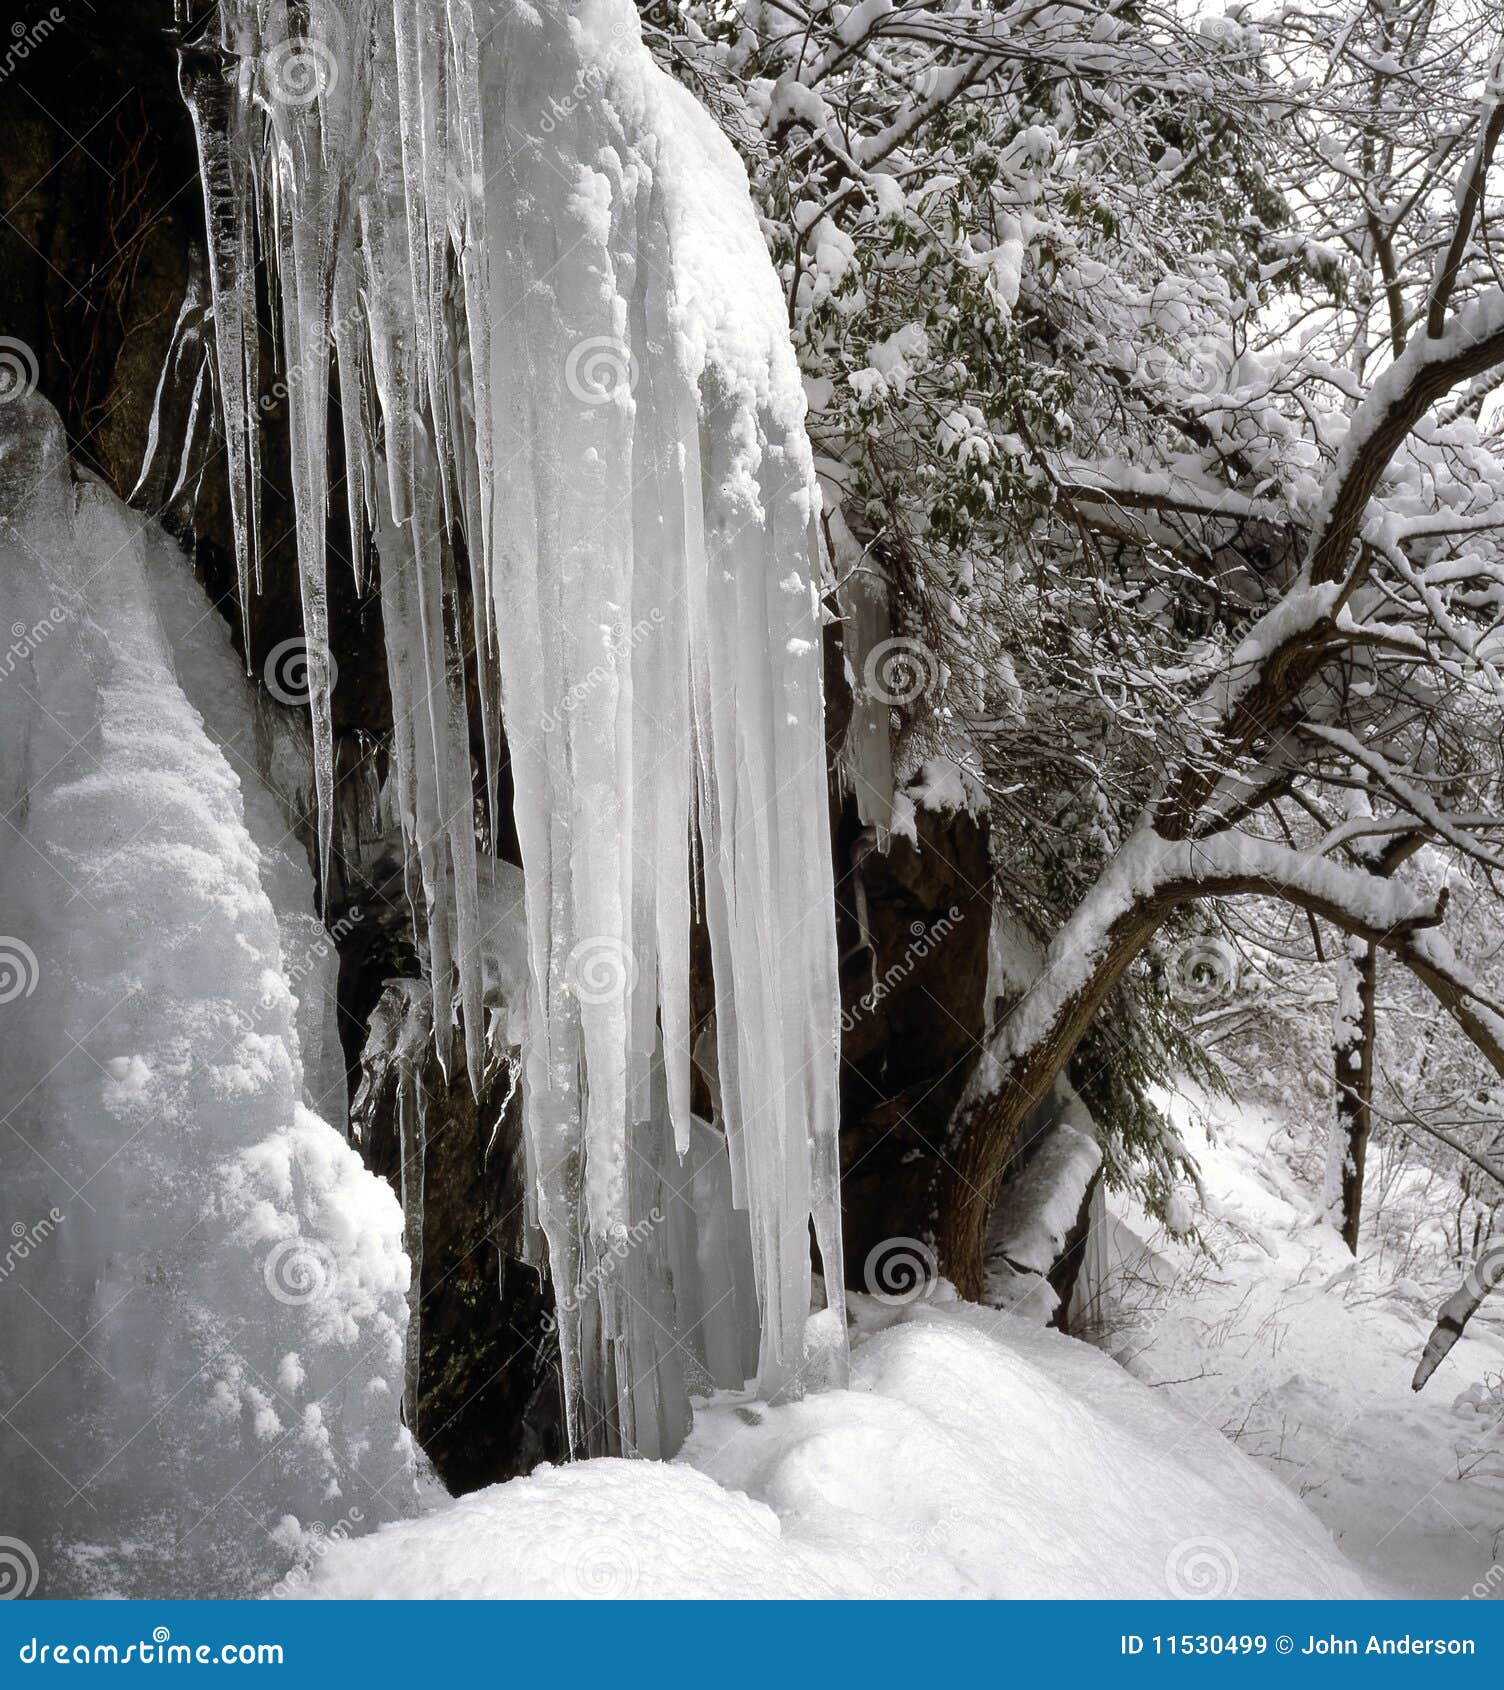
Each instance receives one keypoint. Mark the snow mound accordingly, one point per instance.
(206, 1320)
(973, 1456)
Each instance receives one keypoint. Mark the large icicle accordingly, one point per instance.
(561, 351)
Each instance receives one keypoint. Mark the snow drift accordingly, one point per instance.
(974, 1455)
(203, 1331)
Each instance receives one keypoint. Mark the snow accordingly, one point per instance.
(211, 1224)
(1304, 1358)
(973, 1455)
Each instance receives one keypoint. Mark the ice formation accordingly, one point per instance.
(573, 434)
(203, 1286)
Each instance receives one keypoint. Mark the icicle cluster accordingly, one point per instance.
(573, 437)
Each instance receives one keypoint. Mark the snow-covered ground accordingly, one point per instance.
(974, 1455)
(1276, 1338)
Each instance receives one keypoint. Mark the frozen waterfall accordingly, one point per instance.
(573, 431)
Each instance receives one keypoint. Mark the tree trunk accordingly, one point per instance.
(1352, 1055)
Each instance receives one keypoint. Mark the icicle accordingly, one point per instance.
(560, 343)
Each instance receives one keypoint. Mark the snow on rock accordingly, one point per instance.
(204, 1225)
(972, 1456)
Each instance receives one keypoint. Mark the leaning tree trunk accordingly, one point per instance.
(1352, 1055)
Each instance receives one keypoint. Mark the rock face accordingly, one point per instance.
(914, 926)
